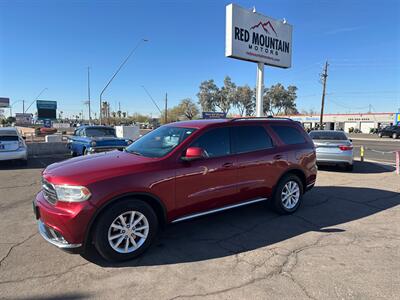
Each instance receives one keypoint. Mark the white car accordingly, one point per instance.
(12, 145)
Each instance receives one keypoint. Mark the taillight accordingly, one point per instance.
(345, 148)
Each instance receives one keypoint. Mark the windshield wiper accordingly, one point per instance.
(134, 152)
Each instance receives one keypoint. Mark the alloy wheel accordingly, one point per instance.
(128, 232)
(290, 194)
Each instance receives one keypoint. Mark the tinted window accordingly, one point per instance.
(8, 138)
(249, 138)
(328, 135)
(215, 142)
(289, 135)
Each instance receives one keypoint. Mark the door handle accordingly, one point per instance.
(227, 165)
(278, 156)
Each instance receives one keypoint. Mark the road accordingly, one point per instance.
(376, 149)
(343, 243)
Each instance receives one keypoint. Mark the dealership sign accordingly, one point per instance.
(4, 102)
(253, 37)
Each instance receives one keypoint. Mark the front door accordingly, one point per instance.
(207, 183)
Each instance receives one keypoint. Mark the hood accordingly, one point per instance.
(84, 170)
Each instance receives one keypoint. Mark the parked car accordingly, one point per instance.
(12, 145)
(93, 139)
(118, 200)
(333, 148)
(390, 131)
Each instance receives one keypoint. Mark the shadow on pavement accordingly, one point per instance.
(324, 209)
(359, 168)
(71, 296)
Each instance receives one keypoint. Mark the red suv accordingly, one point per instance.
(118, 200)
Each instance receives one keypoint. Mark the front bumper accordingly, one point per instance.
(21, 153)
(63, 224)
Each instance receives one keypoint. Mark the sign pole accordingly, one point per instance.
(260, 89)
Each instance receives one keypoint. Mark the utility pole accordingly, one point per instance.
(166, 108)
(23, 106)
(324, 76)
(88, 86)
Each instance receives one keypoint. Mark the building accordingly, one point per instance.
(362, 121)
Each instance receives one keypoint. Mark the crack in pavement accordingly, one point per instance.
(45, 276)
(19, 186)
(14, 246)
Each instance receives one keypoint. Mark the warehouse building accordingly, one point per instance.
(361, 121)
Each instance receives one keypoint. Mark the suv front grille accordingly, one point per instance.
(49, 192)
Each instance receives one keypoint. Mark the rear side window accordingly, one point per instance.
(249, 138)
(215, 142)
(289, 135)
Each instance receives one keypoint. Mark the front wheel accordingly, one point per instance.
(394, 135)
(125, 230)
(380, 134)
(288, 194)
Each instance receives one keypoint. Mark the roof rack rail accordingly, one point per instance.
(259, 118)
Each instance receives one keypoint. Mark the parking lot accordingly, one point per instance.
(343, 243)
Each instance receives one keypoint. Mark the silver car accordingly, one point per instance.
(12, 145)
(333, 148)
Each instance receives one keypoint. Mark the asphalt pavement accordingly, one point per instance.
(343, 243)
(377, 149)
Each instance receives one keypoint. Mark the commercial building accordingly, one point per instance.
(362, 121)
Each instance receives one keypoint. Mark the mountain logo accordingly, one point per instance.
(265, 26)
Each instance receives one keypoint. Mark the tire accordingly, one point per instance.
(85, 151)
(112, 216)
(380, 134)
(73, 153)
(394, 135)
(349, 167)
(278, 203)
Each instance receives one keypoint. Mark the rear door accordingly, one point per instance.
(258, 163)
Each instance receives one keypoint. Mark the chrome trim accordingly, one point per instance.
(53, 239)
(218, 210)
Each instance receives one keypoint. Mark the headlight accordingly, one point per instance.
(70, 193)
(93, 144)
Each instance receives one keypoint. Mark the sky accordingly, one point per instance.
(50, 44)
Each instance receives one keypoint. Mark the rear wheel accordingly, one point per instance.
(125, 230)
(380, 134)
(288, 194)
(394, 135)
(73, 153)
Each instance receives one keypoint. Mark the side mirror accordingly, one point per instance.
(193, 153)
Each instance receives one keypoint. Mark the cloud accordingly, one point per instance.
(344, 29)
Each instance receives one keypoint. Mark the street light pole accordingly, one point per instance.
(117, 71)
(88, 80)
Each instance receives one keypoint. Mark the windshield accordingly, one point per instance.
(328, 135)
(100, 132)
(160, 142)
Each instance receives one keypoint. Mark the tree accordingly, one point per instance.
(278, 100)
(188, 108)
(208, 95)
(244, 100)
(226, 95)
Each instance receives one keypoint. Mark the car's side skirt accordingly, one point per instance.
(218, 210)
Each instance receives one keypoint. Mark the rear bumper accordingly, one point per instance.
(335, 158)
(17, 154)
